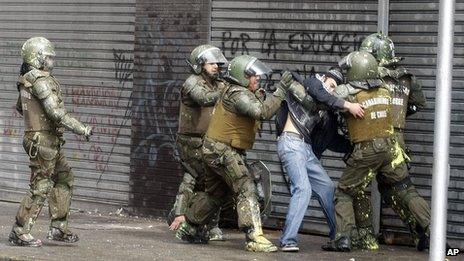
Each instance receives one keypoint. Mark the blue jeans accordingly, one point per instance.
(306, 175)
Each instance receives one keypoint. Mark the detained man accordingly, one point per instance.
(295, 124)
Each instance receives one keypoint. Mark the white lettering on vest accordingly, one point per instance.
(376, 101)
(378, 114)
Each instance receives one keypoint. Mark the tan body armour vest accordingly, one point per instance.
(377, 121)
(35, 117)
(193, 118)
(400, 94)
(236, 130)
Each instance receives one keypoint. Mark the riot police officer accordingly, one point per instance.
(199, 94)
(376, 150)
(407, 99)
(45, 118)
(231, 132)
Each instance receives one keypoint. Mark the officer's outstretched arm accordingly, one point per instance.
(247, 104)
(56, 110)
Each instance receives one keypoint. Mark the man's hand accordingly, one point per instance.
(177, 222)
(355, 109)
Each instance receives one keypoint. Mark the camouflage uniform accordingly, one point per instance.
(231, 132)
(407, 99)
(45, 116)
(198, 97)
(375, 150)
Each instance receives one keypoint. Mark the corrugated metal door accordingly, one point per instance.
(414, 30)
(166, 33)
(309, 36)
(94, 45)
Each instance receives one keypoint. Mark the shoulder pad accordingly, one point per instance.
(235, 88)
(35, 74)
(346, 90)
(342, 91)
(22, 80)
(237, 92)
(192, 81)
(43, 87)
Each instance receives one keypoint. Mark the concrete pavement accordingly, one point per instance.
(105, 236)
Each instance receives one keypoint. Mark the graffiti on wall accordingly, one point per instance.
(107, 127)
(303, 42)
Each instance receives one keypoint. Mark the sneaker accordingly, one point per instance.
(24, 240)
(56, 234)
(290, 248)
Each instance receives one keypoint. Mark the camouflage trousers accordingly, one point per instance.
(191, 157)
(51, 177)
(227, 176)
(414, 211)
(368, 158)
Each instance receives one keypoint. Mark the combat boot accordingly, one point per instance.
(367, 240)
(24, 240)
(57, 235)
(256, 242)
(192, 234)
(215, 234)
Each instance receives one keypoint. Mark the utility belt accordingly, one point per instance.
(196, 135)
(239, 151)
(376, 143)
(45, 143)
(194, 141)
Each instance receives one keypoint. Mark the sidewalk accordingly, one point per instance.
(112, 237)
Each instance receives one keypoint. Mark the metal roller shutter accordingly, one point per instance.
(308, 36)
(94, 46)
(166, 33)
(414, 30)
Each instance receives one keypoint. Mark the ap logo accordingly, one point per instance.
(452, 252)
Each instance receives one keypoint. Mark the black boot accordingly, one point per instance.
(57, 235)
(193, 234)
(342, 244)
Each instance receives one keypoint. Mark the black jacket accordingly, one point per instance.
(319, 127)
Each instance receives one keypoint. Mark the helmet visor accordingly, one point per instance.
(256, 67)
(213, 55)
(345, 62)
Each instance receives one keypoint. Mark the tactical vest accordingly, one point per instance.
(193, 118)
(399, 83)
(377, 121)
(35, 117)
(236, 130)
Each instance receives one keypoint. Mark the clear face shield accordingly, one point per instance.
(214, 56)
(49, 63)
(47, 59)
(256, 67)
